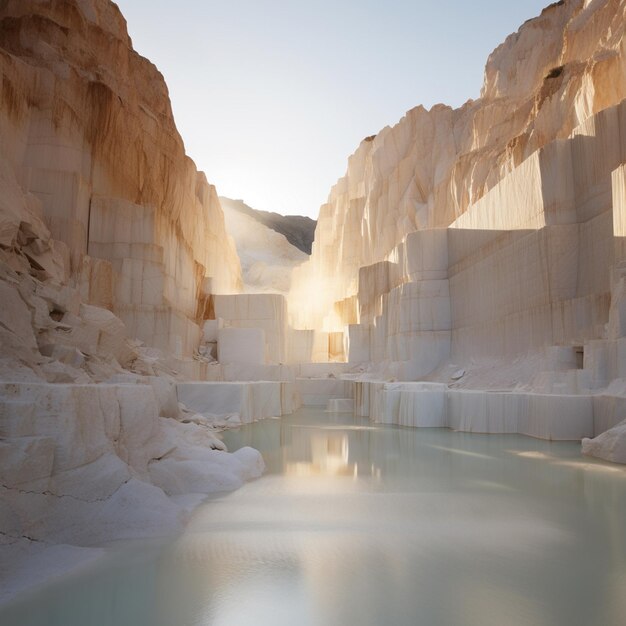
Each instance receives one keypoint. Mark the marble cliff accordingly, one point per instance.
(481, 248)
(468, 271)
(111, 246)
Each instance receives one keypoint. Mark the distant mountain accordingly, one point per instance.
(267, 258)
(298, 229)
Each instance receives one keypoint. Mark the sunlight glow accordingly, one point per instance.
(272, 97)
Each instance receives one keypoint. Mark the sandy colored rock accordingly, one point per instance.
(93, 158)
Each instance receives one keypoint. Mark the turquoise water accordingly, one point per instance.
(356, 523)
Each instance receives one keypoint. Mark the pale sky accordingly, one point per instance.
(271, 97)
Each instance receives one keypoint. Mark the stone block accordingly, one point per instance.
(138, 282)
(250, 307)
(425, 255)
(265, 311)
(215, 398)
(318, 391)
(161, 327)
(485, 412)
(210, 329)
(608, 411)
(336, 347)
(251, 371)
(308, 346)
(322, 370)
(422, 405)
(241, 345)
(357, 345)
(249, 400)
(558, 417)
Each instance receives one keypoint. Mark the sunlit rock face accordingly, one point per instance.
(299, 230)
(90, 145)
(483, 247)
(544, 83)
(267, 257)
(108, 235)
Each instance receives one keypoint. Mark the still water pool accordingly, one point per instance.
(357, 523)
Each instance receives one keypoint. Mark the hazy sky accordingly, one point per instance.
(272, 96)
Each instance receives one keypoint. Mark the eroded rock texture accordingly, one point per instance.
(541, 88)
(90, 146)
(483, 247)
(111, 243)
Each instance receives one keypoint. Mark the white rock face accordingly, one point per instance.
(109, 237)
(246, 400)
(434, 166)
(267, 258)
(267, 312)
(470, 269)
(241, 346)
(489, 240)
(610, 445)
(426, 404)
(87, 464)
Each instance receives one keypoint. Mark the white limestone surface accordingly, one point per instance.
(435, 166)
(84, 465)
(261, 311)
(322, 370)
(609, 409)
(244, 401)
(252, 371)
(455, 235)
(309, 346)
(545, 416)
(478, 411)
(241, 345)
(318, 391)
(422, 408)
(210, 330)
(610, 445)
(558, 417)
(266, 399)
(141, 242)
(412, 404)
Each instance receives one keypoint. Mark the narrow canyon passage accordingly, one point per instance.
(357, 523)
(397, 292)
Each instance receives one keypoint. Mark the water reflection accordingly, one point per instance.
(323, 454)
(370, 525)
